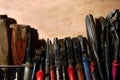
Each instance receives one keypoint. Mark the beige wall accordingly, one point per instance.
(59, 18)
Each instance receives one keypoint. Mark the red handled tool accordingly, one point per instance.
(70, 56)
(52, 63)
(78, 59)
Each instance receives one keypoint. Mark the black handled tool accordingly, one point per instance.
(47, 60)
(57, 59)
(52, 63)
(115, 38)
(91, 34)
(63, 59)
(70, 57)
(104, 54)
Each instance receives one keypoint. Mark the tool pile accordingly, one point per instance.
(25, 57)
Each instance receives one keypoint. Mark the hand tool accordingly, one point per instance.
(52, 63)
(104, 30)
(78, 59)
(35, 63)
(93, 67)
(47, 60)
(70, 57)
(40, 75)
(116, 62)
(57, 59)
(19, 45)
(84, 58)
(91, 34)
(114, 17)
(28, 65)
(63, 59)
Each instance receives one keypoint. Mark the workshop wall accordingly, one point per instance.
(56, 18)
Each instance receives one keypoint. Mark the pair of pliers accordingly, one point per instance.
(91, 34)
(104, 46)
(115, 38)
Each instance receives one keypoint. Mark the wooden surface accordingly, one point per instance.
(56, 18)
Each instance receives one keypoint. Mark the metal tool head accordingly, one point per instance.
(77, 50)
(103, 30)
(56, 52)
(91, 33)
(114, 17)
(52, 58)
(81, 41)
(47, 51)
(63, 54)
(115, 41)
(69, 50)
(88, 49)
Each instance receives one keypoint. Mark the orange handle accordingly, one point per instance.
(80, 73)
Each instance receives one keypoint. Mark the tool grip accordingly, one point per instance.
(40, 75)
(115, 67)
(86, 68)
(94, 72)
(52, 73)
(71, 73)
(80, 73)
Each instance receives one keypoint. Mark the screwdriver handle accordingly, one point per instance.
(71, 73)
(40, 75)
(52, 73)
(80, 73)
(115, 67)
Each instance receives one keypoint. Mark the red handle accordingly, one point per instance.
(115, 67)
(71, 73)
(52, 73)
(40, 75)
